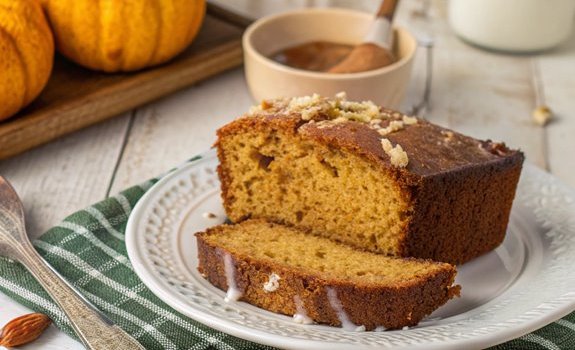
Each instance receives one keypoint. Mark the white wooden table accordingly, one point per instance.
(483, 94)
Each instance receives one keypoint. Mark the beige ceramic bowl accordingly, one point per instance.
(268, 79)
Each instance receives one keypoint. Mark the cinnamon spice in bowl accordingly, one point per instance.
(321, 29)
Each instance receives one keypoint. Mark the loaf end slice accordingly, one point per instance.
(285, 270)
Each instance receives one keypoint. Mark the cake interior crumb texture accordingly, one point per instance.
(283, 245)
(299, 181)
(375, 290)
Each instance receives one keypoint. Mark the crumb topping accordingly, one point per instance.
(272, 284)
(397, 155)
(330, 122)
(447, 134)
(542, 115)
(393, 126)
(325, 113)
(407, 120)
(318, 107)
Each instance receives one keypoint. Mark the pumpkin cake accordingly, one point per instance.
(285, 270)
(368, 177)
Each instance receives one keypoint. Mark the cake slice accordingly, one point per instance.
(369, 177)
(288, 271)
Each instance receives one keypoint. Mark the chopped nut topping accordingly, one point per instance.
(331, 112)
(313, 106)
(308, 106)
(265, 105)
(497, 148)
(342, 95)
(329, 123)
(407, 120)
(542, 115)
(393, 126)
(397, 155)
(448, 134)
(386, 144)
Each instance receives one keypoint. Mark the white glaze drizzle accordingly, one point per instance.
(380, 329)
(273, 283)
(233, 293)
(300, 315)
(341, 314)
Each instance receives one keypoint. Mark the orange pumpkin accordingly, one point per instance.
(122, 35)
(26, 54)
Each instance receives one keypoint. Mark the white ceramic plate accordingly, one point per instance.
(523, 285)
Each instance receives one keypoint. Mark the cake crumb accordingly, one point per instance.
(208, 215)
(394, 125)
(342, 95)
(397, 155)
(386, 114)
(307, 106)
(266, 105)
(448, 134)
(542, 115)
(339, 120)
(330, 122)
(358, 111)
(273, 283)
(263, 106)
(407, 120)
(386, 144)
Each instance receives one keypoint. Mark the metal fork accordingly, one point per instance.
(94, 329)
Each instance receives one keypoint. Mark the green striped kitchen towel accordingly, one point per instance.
(88, 249)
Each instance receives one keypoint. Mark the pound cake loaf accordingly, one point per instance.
(369, 177)
(285, 270)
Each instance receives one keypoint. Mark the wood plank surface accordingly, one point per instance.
(66, 175)
(76, 97)
(169, 132)
(556, 72)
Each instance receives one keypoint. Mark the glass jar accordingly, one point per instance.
(512, 25)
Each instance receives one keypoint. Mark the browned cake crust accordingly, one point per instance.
(460, 189)
(372, 306)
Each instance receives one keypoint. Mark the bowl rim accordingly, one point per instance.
(250, 50)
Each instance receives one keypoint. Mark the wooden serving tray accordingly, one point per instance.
(76, 97)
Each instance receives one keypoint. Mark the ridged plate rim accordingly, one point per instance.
(544, 205)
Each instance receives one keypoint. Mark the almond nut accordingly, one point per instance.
(24, 329)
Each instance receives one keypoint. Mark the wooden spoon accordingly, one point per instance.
(376, 50)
